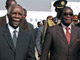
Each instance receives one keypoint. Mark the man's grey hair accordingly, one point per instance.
(10, 8)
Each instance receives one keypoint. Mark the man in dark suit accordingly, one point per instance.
(39, 37)
(18, 44)
(26, 25)
(62, 40)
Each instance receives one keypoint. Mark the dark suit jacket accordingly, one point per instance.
(78, 24)
(2, 21)
(24, 48)
(56, 42)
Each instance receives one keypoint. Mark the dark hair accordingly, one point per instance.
(38, 22)
(8, 1)
(24, 10)
(79, 15)
(67, 7)
(43, 21)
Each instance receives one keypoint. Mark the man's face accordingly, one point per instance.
(67, 16)
(40, 24)
(15, 16)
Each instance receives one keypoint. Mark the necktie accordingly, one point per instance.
(14, 38)
(68, 35)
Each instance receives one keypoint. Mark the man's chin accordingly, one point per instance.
(67, 24)
(15, 26)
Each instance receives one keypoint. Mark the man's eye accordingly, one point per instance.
(20, 13)
(13, 13)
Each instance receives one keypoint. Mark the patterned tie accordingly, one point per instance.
(14, 38)
(68, 35)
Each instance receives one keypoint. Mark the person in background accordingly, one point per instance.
(62, 40)
(4, 19)
(39, 38)
(39, 24)
(79, 20)
(43, 22)
(59, 5)
(79, 16)
(26, 25)
(15, 43)
(49, 22)
(75, 20)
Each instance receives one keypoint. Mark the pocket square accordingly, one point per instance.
(78, 40)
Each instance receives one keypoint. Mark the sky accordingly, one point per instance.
(33, 5)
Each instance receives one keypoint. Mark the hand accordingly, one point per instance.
(39, 53)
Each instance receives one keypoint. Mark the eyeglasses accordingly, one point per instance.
(65, 14)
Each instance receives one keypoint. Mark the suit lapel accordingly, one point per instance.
(20, 39)
(61, 34)
(7, 36)
(73, 35)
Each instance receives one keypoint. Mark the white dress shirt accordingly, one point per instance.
(64, 28)
(7, 20)
(11, 29)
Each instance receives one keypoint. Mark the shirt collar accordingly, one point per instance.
(12, 29)
(7, 19)
(65, 26)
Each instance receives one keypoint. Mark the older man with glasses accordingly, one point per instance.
(62, 40)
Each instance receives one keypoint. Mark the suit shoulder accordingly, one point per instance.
(25, 32)
(76, 27)
(41, 28)
(53, 27)
(30, 24)
(2, 28)
(3, 17)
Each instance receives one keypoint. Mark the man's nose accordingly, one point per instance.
(17, 15)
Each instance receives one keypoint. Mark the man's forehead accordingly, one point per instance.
(67, 10)
(16, 7)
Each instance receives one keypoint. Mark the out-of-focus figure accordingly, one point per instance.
(59, 5)
(75, 20)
